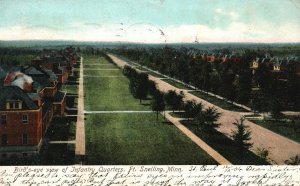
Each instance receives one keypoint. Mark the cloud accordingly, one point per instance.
(230, 14)
(148, 33)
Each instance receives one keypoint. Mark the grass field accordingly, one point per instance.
(178, 114)
(110, 94)
(221, 103)
(155, 74)
(94, 60)
(130, 138)
(137, 139)
(107, 72)
(73, 89)
(100, 66)
(225, 146)
(284, 128)
(176, 84)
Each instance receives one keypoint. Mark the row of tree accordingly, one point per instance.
(233, 81)
(206, 120)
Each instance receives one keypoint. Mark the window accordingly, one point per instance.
(4, 156)
(3, 119)
(15, 104)
(24, 139)
(25, 118)
(4, 139)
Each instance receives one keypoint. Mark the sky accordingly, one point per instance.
(151, 21)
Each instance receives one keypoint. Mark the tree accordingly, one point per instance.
(129, 72)
(151, 87)
(244, 86)
(275, 108)
(227, 88)
(263, 78)
(139, 86)
(206, 70)
(191, 108)
(207, 119)
(241, 137)
(173, 99)
(214, 81)
(158, 103)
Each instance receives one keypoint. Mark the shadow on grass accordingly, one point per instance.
(58, 154)
(61, 129)
(225, 146)
(50, 154)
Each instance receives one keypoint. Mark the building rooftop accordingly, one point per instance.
(16, 93)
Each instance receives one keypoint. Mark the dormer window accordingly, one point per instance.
(14, 104)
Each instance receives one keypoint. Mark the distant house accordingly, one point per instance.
(281, 67)
(258, 62)
(234, 59)
(225, 59)
(58, 65)
(211, 58)
(204, 57)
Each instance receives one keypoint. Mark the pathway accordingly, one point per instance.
(214, 154)
(280, 147)
(104, 76)
(80, 129)
(105, 69)
(117, 111)
(62, 142)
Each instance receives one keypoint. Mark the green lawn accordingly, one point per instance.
(117, 72)
(110, 94)
(221, 103)
(155, 74)
(176, 84)
(101, 66)
(73, 89)
(225, 146)
(131, 138)
(137, 139)
(140, 68)
(285, 127)
(178, 114)
(94, 60)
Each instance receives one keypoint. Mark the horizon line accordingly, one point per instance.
(131, 42)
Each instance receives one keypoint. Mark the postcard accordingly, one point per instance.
(151, 92)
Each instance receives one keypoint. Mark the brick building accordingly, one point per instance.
(28, 101)
(21, 126)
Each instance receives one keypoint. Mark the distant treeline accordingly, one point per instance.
(16, 56)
